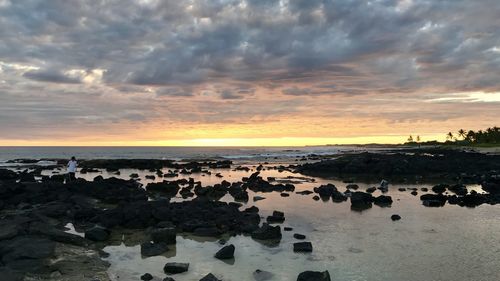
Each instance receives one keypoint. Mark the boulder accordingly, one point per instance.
(149, 249)
(276, 217)
(361, 200)
(97, 233)
(440, 188)
(383, 201)
(227, 252)
(267, 232)
(167, 235)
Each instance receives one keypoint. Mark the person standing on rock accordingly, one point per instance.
(72, 169)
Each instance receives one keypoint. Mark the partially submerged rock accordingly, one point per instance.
(314, 276)
(302, 247)
(227, 252)
(175, 267)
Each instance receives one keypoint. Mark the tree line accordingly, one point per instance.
(463, 137)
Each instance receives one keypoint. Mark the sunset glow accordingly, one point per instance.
(245, 72)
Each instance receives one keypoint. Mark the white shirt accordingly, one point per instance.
(72, 166)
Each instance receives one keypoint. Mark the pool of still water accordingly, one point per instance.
(448, 243)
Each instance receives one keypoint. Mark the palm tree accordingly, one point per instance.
(461, 133)
(449, 136)
(471, 136)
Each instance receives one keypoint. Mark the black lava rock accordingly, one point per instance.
(227, 252)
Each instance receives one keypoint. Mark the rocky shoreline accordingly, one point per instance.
(35, 209)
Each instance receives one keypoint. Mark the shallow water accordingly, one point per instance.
(447, 243)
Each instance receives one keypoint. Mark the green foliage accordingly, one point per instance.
(488, 137)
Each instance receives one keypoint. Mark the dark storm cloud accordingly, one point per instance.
(293, 49)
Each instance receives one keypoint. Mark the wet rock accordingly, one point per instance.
(383, 201)
(352, 186)
(299, 236)
(262, 275)
(97, 233)
(175, 267)
(491, 185)
(458, 189)
(433, 200)
(267, 232)
(302, 247)
(440, 188)
(371, 189)
(258, 198)
(252, 209)
(210, 277)
(424, 189)
(402, 189)
(44, 229)
(276, 217)
(167, 188)
(304, 192)
(285, 194)
(147, 277)
(134, 176)
(325, 190)
(150, 177)
(314, 276)
(26, 254)
(395, 217)
(361, 201)
(167, 235)
(414, 193)
(431, 162)
(149, 249)
(316, 198)
(6, 174)
(227, 252)
(207, 232)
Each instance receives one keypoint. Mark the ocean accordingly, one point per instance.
(174, 153)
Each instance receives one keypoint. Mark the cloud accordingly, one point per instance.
(51, 76)
(195, 61)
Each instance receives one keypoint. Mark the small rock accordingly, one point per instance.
(299, 236)
(147, 277)
(150, 249)
(258, 198)
(210, 277)
(287, 228)
(302, 247)
(395, 217)
(314, 276)
(175, 267)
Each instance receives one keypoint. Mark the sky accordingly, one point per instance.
(246, 72)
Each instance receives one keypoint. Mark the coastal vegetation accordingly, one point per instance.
(487, 137)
